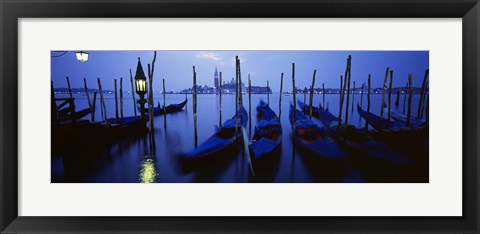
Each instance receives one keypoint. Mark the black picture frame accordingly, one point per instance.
(11, 11)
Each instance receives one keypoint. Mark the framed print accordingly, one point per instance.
(267, 116)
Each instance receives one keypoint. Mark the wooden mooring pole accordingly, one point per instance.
(348, 98)
(405, 97)
(151, 70)
(240, 95)
(71, 101)
(280, 98)
(116, 100)
(304, 109)
(361, 95)
(69, 89)
(390, 94)
(92, 114)
(102, 101)
(397, 100)
(133, 95)
(353, 96)
(343, 88)
(368, 101)
(220, 118)
(194, 94)
(409, 99)
(121, 97)
(323, 94)
(422, 93)
(268, 94)
(294, 91)
(340, 103)
(236, 95)
(383, 95)
(164, 106)
(312, 88)
(93, 105)
(249, 105)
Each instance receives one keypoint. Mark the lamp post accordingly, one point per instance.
(141, 87)
(81, 56)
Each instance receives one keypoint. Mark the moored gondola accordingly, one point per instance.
(268, 133)
(379, 123)
(172, 108)
(312, 138)
(397, 116)
(224, 138)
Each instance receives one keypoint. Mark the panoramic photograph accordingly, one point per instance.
(277, 116)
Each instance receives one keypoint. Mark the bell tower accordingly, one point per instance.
(215, 79)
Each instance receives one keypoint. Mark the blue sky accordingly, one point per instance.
(176, 67)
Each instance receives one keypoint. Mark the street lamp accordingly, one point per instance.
(81, 56)
(141, 87)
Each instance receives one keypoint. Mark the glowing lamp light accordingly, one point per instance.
(141, 86)
(81, 56)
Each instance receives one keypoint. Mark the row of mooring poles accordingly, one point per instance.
(92, 105)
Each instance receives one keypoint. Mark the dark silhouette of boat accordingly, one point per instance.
(379, 123)
(172, 108)
(66, 114)
(220, 141)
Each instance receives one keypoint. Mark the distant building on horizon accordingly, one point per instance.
(216, 83)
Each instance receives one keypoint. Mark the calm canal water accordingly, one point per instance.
(131, 161)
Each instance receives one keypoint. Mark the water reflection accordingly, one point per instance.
(148, 172)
